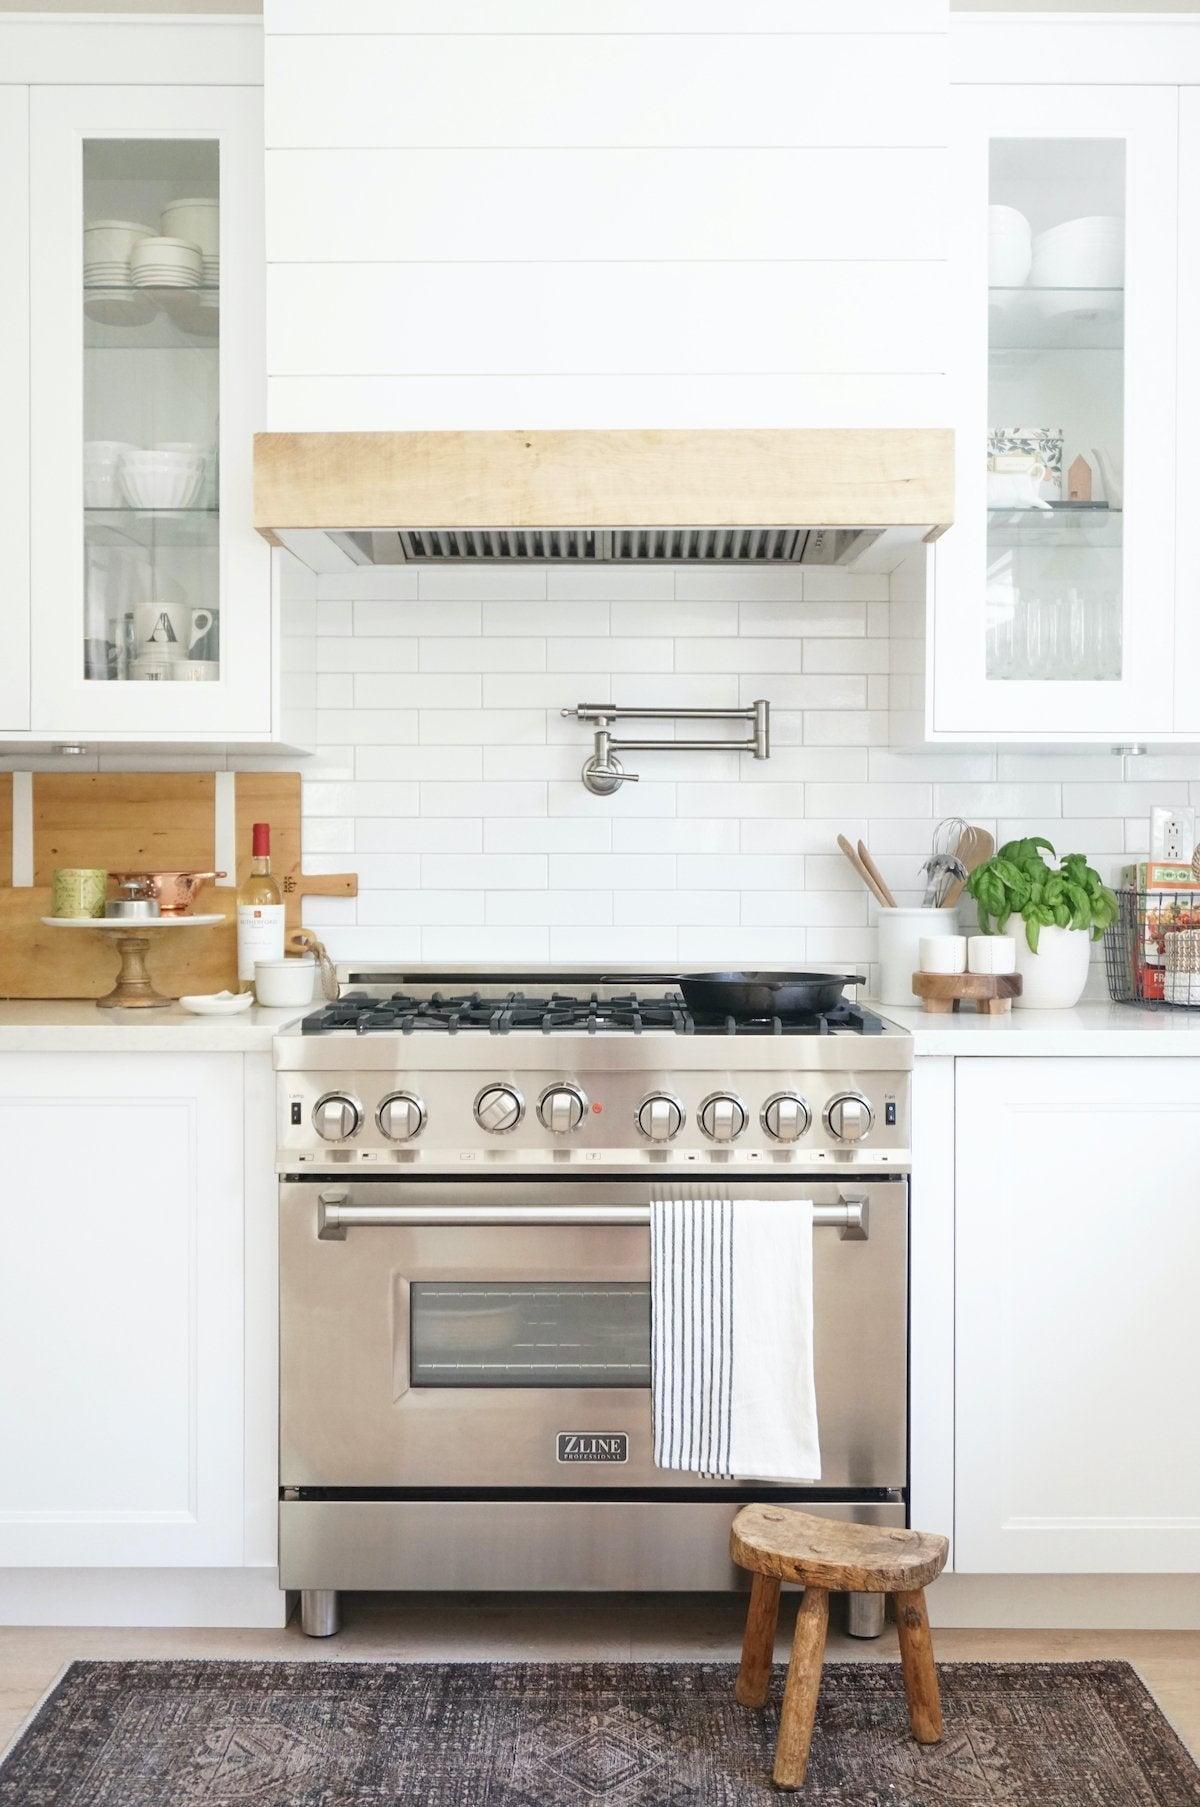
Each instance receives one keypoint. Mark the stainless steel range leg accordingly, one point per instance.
(319, 1616)
(864, 1615)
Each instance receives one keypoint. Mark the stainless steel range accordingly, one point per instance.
(466, 1168)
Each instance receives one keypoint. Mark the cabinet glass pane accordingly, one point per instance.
(534, 1333)
(1056, 377)
(151, 325)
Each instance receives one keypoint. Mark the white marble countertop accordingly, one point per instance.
(76, 1025)
(1101, 1028)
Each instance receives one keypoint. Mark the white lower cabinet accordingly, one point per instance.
(1077, 1338)
(121, 1310)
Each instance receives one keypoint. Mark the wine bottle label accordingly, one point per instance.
(259, 936)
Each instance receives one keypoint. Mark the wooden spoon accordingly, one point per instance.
(975, 846)
(884, 890)
(865, 876)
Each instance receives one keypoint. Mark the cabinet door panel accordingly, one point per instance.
(1054, 588)
(151, 591)
(14, 408)
(1187, 564)
(1077, 1338)
(121, 1310)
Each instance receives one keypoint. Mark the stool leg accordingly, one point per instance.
(920, 1670)
(758, 1643)
(803, 1686)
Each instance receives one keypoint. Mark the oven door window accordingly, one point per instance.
(590, 1333)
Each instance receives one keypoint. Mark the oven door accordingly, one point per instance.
(496, 1335)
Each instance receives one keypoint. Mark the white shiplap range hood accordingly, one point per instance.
(856, 497)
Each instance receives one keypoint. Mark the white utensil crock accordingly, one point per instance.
(900, 934)
(1054, 977)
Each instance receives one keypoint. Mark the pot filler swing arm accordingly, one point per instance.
(603, 772)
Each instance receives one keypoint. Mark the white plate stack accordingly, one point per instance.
(107, 248)
(197, 218)
(165, 263)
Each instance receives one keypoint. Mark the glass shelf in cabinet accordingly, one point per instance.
(1056, 319)
(1084, 529)
(152, 526)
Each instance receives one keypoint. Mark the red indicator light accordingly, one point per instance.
(596, 1109)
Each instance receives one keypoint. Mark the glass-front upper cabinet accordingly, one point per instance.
(1053, 590)
(152, 609)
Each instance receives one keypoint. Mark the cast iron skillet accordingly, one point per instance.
(764, 994)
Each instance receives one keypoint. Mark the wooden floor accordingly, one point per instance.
(549, 1627)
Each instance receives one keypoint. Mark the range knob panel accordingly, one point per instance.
(499, 1108)
(786, 1117)
(336, 1117)
(561, 1108)
(848, 1117)
(660, 1117)
(722, 1117)
(401, 1116)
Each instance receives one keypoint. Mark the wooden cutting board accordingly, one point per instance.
(148, 821)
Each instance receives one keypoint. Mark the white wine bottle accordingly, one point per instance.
(259, 911)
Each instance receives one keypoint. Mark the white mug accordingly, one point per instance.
(943, 953)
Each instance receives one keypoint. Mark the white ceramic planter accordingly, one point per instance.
(1054, 977)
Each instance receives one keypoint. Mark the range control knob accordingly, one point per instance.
(561, 1108)
(499, 1108)
(848, 1117)
(336, 1117)
(660, 1117)
(722, 1117)
(786, 1116)
(401, 1116)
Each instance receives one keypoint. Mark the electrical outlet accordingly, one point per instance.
(1172, 832)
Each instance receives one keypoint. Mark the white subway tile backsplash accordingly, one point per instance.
(679, 618)
(837, 618)
(375, 619)
(416, 690)
(462, 653)
(422, 834)
(610, 654)
(482, 799)
(445, 773)
(418, 762)
(485, 871)
(547, 834)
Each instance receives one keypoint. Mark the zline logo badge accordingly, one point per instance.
(593, 1446)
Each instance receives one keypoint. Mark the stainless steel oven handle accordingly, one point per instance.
(336, 1214)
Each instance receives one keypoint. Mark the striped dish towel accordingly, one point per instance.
(731, 1302)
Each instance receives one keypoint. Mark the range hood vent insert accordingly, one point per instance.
(607, 545)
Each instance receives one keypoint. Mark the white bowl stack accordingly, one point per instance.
(102, 472)
(107, 249)
(165, 263)
(197, 218)
(161, 479)
(1087, 253)
(1009, 248)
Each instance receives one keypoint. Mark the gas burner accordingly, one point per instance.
(562, 1012)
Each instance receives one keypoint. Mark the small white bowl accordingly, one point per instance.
(112, 241)
(218, 1003)
(279, 983)
(169, 262)
(160, 484)
(196, 218)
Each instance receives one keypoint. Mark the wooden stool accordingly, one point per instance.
(825, 1555)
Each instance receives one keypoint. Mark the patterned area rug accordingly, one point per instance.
(319, 1734)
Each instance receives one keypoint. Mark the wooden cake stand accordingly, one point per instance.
(133, 989)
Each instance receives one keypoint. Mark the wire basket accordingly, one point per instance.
(1152, 949)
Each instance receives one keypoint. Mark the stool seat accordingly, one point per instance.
(824, 1556)
(829, 1553)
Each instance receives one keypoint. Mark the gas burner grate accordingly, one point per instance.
(563, 1012)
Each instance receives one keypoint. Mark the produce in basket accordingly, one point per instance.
(1019, 881)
